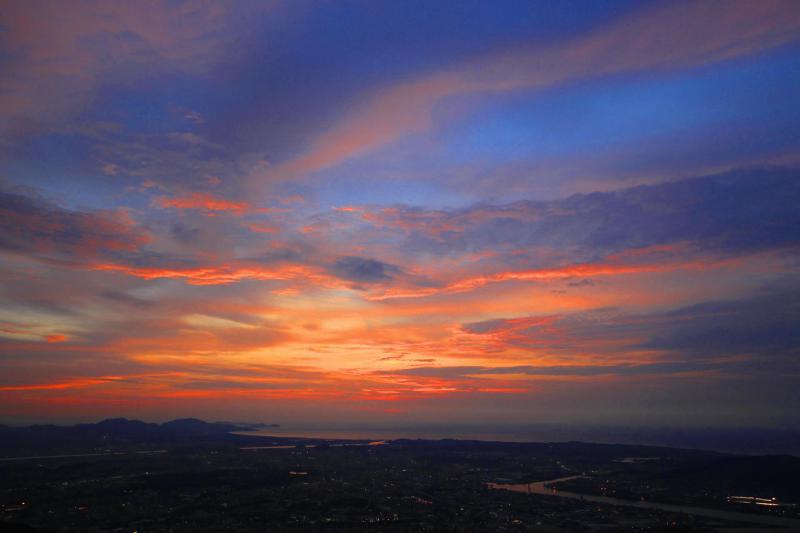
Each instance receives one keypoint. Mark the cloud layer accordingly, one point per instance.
(281, 210)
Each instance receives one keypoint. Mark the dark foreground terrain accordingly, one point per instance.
(187, 475)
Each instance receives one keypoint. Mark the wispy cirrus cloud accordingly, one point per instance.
(664, 37)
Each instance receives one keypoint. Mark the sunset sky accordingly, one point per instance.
(396, 212)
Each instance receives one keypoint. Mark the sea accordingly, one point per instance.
(733, 440)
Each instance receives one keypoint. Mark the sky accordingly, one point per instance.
(401, 212)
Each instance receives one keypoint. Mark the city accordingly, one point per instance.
(138, 477)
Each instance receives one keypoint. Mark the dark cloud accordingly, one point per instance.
(767, 325)
(762, 327)
(184, 234)
(32, 225)
(296, 253)
(559, 370)
(743, 211)
(486, 326)
(363, 270)
(127, 299)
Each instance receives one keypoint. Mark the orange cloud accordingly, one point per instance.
(202, 201)
(612, 267)
(75, 383)
(262, 228)
(217, 275)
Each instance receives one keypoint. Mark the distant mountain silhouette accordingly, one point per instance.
(114, 432)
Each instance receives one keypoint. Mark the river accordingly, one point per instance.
(544, 488)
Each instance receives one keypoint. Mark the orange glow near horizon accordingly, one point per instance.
(350, 347)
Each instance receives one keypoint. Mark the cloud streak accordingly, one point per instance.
(665, 37)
